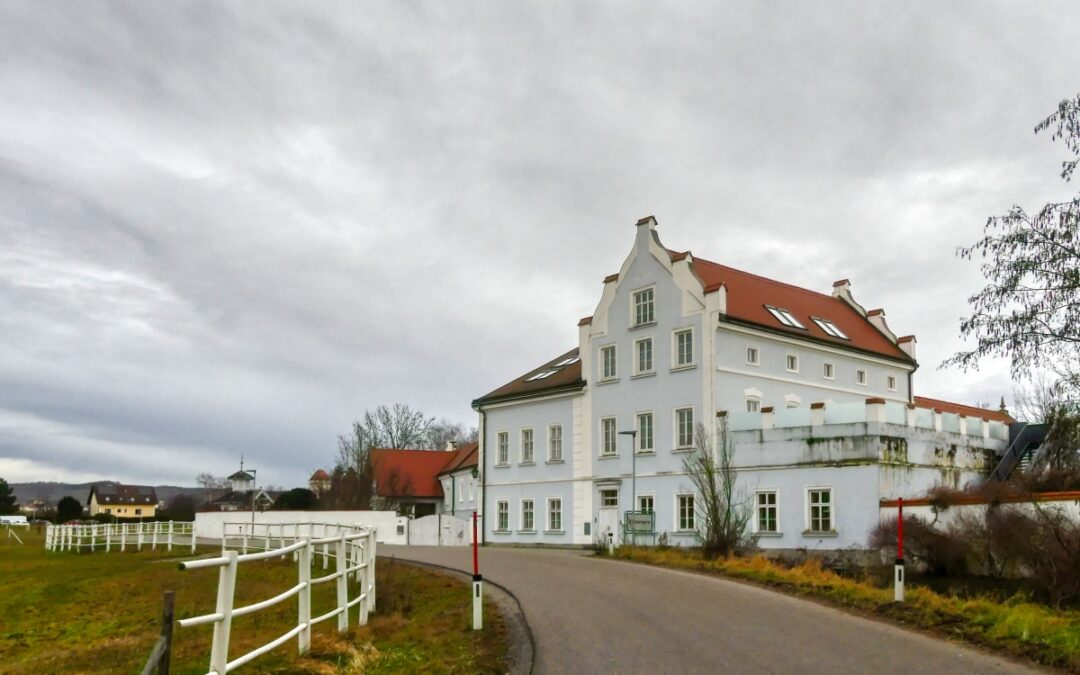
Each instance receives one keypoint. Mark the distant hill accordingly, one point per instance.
(52, 492)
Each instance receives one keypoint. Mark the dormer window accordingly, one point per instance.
(644, 309)
(785, 317)
(830, 328)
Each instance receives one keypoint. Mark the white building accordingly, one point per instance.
(815, 390)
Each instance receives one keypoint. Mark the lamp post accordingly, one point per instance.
(633, 471)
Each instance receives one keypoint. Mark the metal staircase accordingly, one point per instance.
(1022, 451)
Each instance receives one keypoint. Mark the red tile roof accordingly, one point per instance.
(465, 457)
(747, 295)
(319, 475)
(965, 410)
(411, 473)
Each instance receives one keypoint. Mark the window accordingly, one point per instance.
(609, 498)
(645, 503)
(566, 362)
(684, 427)
(820, 500)
(891, 383)
(828, 372)
(138, 512)
(643, 307)
(785, 317)
(766, 512)
(447, 486)
(503, 444)
(502, 515)
(684, 348)
(860, 377)
(753, 358)
(753, 405)
(830, 328)
(461, 490)
(527, 514)
(555, 443)
(643, 364)
(645, 432)
(686, 512)
(472, 486)
(554, 515)
(792, 363)
(542, 375)
(608, 436)
(792, 401)
(526, 446)
(608, 370)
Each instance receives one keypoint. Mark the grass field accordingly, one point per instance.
(1016, 626)
(100, 613)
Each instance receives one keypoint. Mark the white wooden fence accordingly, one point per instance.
(351, 548)
(107, 536)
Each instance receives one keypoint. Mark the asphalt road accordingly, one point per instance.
(592, 615)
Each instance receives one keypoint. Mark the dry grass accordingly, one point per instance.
(1017, 626)
(92, 613)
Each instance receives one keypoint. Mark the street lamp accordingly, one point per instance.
(633, 467)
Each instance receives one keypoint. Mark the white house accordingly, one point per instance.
(815, 390)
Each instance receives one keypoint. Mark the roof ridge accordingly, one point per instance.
(765, 279)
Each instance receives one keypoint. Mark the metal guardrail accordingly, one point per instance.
(107, 536)
(353, 555)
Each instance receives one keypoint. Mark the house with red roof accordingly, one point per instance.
(813, 391)
(425, 482)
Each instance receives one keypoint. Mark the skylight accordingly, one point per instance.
(830, 328)
(566, 362)
(785, 317)
(541, 375)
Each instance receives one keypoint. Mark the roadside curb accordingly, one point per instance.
(521, 653)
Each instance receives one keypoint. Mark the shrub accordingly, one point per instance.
(940, 552)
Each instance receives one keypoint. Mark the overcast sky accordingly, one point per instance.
(231, 228)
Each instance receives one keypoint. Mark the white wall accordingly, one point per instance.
(389, 527)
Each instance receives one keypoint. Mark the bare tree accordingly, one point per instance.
(1033, 401)
(724, 510)
(444, 431)
(1029, 310)
(213, 486)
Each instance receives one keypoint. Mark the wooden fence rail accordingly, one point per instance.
(353, 553)
(107, 536)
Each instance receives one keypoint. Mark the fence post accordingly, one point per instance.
(342, 584)
(108, 537)
(362, 576)
(371, 561)
(138, 536)
(192, 530)
(123, 537)
(166, 632)
(219, 649)
(93, 537)
(153, 539)
(304, 604)
(170, 535)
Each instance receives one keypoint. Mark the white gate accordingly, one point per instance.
(440, 530)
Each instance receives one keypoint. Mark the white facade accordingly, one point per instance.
(662, 354)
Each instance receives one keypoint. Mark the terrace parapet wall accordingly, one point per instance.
(874, 432)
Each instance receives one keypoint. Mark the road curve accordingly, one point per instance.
(593, 615)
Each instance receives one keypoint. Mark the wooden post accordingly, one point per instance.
(219, 648)
(304, 604)
(166, 631)
(342, 585)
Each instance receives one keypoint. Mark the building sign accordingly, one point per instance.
(640, 522)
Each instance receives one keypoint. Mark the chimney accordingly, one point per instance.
(841, 287)
(451, 446)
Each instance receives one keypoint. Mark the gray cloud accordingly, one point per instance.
(230, 228)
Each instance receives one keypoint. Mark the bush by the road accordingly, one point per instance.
(1017, 626)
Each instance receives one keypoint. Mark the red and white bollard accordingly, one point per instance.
(477, 580)
(898, 574)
